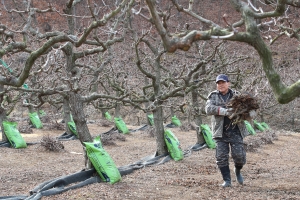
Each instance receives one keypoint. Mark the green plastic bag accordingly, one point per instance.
(107, 116)
(13, 135)
(265, 125)
(205, 130)
(249, 128)
(258, 126)
(173, 145)
(102, 162)
(176, 121)
(121, 125)
(72, 127)
(151, 120)
(35, 120)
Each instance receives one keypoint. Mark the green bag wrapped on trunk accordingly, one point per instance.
(107, 116)
(13, 135)
(258, 126)
(173, 145)
(265, 125)
(249, 128)
(102, 162)
(35, 120)
(206, 132)
(121, 125)
(72, 127)
(176, 121)
(151, 120)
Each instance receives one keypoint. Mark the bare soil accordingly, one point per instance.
(272, 170)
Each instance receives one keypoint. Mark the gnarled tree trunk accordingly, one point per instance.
(159, 130)
(198, 118)
(84, 135)
(2, 115)
(67, 114)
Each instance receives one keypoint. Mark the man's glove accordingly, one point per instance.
(252, 114)
(225, 111)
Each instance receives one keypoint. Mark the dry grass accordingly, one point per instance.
(51, 144)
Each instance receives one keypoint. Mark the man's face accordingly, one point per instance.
(223, 86)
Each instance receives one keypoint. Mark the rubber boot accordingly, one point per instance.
(225, 171)
(239, 177)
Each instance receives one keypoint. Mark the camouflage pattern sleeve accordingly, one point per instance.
(212, 107)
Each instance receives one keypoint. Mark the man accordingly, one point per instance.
(227, 136)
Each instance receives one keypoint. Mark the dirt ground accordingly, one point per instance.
(272, 170)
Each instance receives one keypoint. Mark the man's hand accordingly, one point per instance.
(225, 111)
(229, 111)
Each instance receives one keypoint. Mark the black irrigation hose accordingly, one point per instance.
(144, 127)
(32, 143)
(111, 130)
(14, 197)
(58, 190)
(146, 161)
(64, 180)
(149, 160)
(65, 137)
(171, 125)
(58, 185)
(86, 177)
(198, 147)
(5, 144)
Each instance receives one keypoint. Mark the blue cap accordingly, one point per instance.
(222, 77)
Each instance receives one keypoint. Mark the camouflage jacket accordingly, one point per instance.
(217, 121)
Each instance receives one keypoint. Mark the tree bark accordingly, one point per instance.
(2, 118)
(77, 110)
(172, 112)
(198, 118)
(159, 131)
(76, 103)
(118, 108)
(83, 132)
(147, 104)
(67, 114)
(158, 112)
(2, 114)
